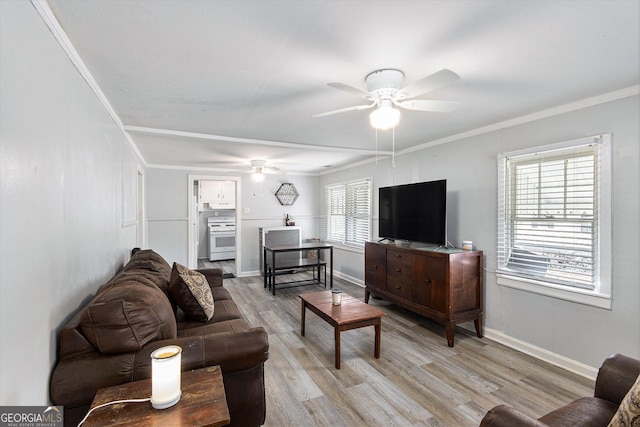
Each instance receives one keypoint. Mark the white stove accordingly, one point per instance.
(222, 238)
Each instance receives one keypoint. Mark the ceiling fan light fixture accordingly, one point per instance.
(257, 176)
(257, 170)
(384, 117)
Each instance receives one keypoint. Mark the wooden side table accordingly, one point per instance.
(203, 403)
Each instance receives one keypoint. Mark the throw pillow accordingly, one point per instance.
(628, 413)
(191, 291)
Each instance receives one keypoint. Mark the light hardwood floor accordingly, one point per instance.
(418, 380)
(227, 266)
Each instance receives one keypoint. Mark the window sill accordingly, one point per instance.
(579, 296)
(345, 247)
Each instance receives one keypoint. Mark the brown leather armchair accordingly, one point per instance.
(616, 376)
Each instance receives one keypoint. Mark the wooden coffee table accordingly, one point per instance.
(351, 314)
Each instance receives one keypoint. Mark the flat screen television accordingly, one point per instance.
(415, 212)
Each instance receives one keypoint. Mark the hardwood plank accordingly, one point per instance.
(417, 381)
(411, 410)
(323, 412)
(288, 369)
(374, 408)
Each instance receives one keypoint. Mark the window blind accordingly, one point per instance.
(349, 212)
(549, 215)
(336, 213)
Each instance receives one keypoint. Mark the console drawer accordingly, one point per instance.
(399, 273)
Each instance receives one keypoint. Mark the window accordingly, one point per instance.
(554, 217)
(349, 212)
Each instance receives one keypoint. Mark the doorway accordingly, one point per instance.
(199, 214)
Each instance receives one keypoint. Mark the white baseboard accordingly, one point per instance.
(542, 354)
(248, 273)
(349, 279)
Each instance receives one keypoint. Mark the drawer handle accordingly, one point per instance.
(428, 281)
(398, 287)
(398, 270)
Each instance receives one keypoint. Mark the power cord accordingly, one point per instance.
(112, 403)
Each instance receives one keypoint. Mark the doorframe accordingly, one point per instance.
(141, 229)
(192, 254)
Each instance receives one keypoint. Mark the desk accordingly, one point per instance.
(203, 403)
(271, 266)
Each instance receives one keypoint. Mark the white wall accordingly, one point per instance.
(578, 332)
(167, 211)
(167, 214)
(61, 217)
(266, 211)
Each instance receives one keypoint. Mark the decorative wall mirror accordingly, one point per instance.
(287, 194)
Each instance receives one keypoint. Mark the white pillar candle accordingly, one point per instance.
(336, 297)
(165, 376)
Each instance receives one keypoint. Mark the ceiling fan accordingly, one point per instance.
(259, 168)
(256, 168)
(385, 90)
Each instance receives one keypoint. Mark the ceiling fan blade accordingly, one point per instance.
(266, 171)
(350, 89)
(431, 82)
(272, 170)
(343, 110)
(429, 105)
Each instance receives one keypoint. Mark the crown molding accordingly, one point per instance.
(566, 108)
(47, 15)
(210, 137)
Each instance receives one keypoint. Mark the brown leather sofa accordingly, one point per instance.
(615, 378)
(101, 347)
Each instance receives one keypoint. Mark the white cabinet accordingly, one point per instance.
(218, 194)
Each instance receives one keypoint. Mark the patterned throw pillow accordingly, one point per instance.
(628, 414)
(191, 291)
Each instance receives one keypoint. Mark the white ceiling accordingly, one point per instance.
(211, 83)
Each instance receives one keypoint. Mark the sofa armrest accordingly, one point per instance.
(213, 275)
(506, 416)
(76, 379)
(233, 351)
(237, 351)
(615, 377)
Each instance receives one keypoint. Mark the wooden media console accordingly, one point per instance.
(444, 285)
